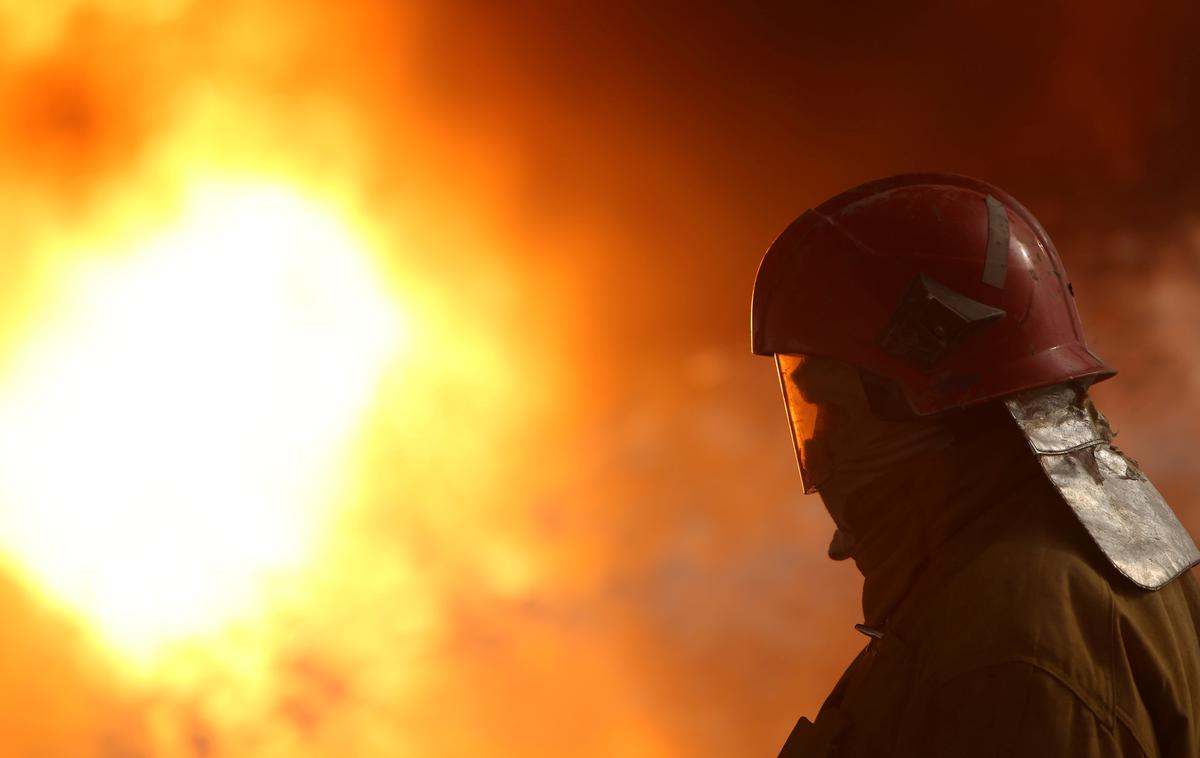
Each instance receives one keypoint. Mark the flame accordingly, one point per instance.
(269, 411)
(171, 426)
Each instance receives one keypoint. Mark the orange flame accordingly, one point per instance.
(373, 378)
(251, 437)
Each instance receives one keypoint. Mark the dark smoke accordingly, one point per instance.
(635, 160)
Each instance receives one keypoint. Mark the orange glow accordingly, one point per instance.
(374, 377)
(251, 439)
(171, 425)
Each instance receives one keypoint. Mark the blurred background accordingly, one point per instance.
(374, 376)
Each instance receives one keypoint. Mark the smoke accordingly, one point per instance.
(574, 523)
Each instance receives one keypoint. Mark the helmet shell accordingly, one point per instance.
(942, 284)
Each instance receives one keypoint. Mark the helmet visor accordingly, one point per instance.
(807, 420)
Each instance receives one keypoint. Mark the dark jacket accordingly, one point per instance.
(1005, 631)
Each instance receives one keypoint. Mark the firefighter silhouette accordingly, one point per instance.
(1026, 588)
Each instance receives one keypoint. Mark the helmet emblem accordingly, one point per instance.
(931, 321)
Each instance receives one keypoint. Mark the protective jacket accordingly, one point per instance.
(997, 627)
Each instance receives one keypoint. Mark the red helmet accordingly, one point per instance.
(942, 284)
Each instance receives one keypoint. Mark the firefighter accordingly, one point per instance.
(1026, 588)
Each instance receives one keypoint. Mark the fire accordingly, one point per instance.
(173, 424)
(283, 397)
(373, 377)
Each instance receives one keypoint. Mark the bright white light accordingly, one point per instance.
(171, 431)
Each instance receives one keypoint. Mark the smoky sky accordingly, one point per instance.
(1066, 103)
(683, 138)
(687, 135)
(626, 165)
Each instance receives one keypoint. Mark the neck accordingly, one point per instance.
(901, 520)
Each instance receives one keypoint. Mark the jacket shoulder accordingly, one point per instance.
(1011, 709)
(1157, 662)
(1031, 589)
(1024, 585)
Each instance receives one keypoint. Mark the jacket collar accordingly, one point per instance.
(904, 520)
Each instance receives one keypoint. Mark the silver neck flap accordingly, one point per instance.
(1121, 510)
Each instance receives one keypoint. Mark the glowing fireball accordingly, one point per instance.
(174, 421)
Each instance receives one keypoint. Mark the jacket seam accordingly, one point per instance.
(1118, 714)
(1126, 722)
(1117, 717)
(1097, 711)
